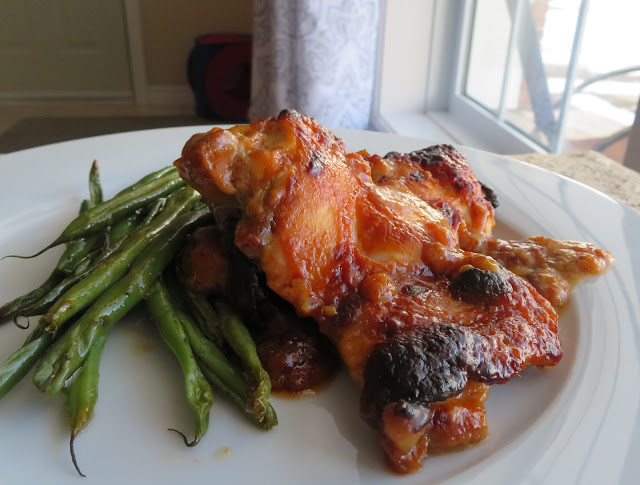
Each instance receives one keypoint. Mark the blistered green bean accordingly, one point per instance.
(197, 388)
(67, 354)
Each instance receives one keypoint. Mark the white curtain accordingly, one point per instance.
(315, 56)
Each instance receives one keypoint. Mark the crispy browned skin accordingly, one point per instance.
(440, 177)
(373, 249)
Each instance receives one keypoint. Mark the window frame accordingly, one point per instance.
(428, 101)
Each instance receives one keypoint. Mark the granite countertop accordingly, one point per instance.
(593, 169)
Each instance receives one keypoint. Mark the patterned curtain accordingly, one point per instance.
(315, 56)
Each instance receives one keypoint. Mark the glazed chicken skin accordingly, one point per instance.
(379, 251)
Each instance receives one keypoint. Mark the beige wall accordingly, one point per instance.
(63, 49)
(169, 28)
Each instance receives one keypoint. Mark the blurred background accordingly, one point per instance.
(563, 73)
(74, 68)
(509, 76)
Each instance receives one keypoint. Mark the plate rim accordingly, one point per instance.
(473, 154)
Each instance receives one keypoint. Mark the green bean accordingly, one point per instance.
(200, 309)
(67, 354)
(268, 421)
(22, 360)
(238, 337)
(123, 228)
(198, 389)
(148, 178)
(223, 375)
(95, 187)
(205, 315)
(86, 291)
(81, 395)
(15, 306)
(103, 215)
(73, 254)
(44, 304)
(156, 208)
(78, 249)
(209, 353)
(117, 234)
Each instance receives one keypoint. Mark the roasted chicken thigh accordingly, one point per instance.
(391, 256)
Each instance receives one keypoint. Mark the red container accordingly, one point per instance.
(219, 72)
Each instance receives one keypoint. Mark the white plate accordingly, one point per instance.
(576, 423)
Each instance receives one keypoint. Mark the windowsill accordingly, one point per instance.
(440, 127)
(416, 125)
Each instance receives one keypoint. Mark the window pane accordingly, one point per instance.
(537, 80)
(603, 104)
(488, 52)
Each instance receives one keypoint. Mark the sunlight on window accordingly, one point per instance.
(488, 54)
(523, 53)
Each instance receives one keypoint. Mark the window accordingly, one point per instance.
(516, 76)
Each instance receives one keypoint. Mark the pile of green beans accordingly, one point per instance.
(120, 252)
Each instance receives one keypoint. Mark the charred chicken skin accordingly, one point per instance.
(386, 255)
